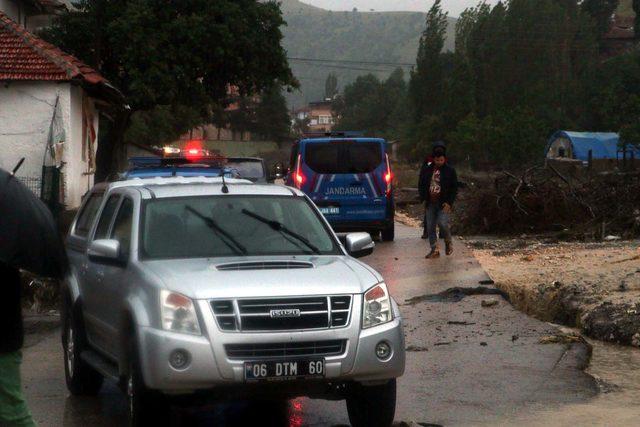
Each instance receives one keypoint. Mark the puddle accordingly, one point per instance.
(456, 295)
(617, 370)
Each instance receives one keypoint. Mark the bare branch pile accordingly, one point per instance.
(542, 199)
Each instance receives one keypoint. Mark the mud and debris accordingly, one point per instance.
(594, 286)
(456, 294)
(486, 303)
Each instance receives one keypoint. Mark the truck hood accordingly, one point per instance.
(247, 277)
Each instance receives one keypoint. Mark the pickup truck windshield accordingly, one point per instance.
(219, 226)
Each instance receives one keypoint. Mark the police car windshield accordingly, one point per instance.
(219, 226)
(343, 156)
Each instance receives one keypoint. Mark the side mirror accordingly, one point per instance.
(359, 245)
(105, 251)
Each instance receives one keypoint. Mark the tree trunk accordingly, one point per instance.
(111, 151)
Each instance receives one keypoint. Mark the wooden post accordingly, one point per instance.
(590, 159)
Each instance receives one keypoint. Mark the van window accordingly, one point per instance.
(343, 157)
(89, 211)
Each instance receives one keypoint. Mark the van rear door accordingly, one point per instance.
(345, 178)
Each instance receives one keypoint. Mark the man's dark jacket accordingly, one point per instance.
(448, 184)
(11, 334)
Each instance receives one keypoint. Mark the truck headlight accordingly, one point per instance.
(178, 313)
(377, 307)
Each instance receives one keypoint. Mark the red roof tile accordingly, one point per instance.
(24, 56)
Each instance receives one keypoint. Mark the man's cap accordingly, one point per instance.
(439, 148)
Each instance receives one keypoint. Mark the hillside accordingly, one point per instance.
(348, 36)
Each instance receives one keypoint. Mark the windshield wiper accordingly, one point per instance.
(278, 226)
(228, 240)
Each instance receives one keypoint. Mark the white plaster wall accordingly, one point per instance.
(26, 110)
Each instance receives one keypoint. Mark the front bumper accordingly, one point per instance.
(210, 367)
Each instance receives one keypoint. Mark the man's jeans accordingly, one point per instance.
(437, 217)
(13, 408)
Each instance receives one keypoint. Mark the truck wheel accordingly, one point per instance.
(372, 406)
(145, 406)
(389, 233)
(82, 379)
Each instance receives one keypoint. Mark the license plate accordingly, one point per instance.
(330, 210)
(283, 370)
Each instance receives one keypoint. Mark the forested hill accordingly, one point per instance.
(390, 37)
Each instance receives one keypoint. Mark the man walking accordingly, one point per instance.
(438, 187)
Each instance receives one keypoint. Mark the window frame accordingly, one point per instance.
(121, 202)
(113, 215)
(83, 210)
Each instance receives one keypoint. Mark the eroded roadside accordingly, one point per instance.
(594, 287)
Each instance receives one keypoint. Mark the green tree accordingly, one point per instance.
(272, 117)
(174, 61)
(331, 86)
(601, 12)
(636, 9)
(362, 107)
(426, 84)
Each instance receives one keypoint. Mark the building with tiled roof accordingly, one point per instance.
(50, 106)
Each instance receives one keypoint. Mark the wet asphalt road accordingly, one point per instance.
(467, 364)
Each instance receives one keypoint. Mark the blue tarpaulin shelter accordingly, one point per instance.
(576, 145)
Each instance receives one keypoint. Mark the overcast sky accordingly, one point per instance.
(453, 6)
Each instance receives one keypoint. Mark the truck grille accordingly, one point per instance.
(309, 348)
(282, 314)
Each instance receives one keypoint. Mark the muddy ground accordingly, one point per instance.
(593, 286)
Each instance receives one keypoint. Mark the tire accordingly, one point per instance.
(145, 407)
(372, 406)
(82, 379)
(389, 233)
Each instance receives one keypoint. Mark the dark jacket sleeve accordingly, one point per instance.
(453, 189)
(423, 169)
(422, 182)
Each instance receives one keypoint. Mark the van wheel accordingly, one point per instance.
(389, 233)
(145, 407)
(372, 406)
(82, 379)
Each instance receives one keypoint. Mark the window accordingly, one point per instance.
(220, 226)
(88, 213)
(247, 168)
(325, 120)
(102, 231)
(343, 157)
(122, 226)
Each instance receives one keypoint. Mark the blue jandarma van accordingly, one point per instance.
(349, 179)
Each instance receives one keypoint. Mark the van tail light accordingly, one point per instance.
(298, 176)
(388, 176)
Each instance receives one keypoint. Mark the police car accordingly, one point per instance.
(190, 162)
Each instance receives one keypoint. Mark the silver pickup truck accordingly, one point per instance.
(195, 289)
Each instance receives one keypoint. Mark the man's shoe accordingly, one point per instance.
(424, 236)
(435, 253)
(448, 248)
